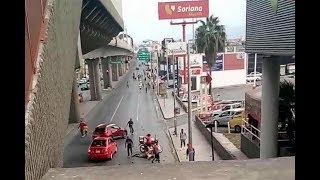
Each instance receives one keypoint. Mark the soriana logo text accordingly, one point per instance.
(183, 9)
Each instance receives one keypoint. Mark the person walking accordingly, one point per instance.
(190, 153)
(128, 144)
(183, 138)
(156, 151)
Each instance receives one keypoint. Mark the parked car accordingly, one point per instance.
(223, 118)
(83, 85)
(228, 107)
(109, 130)
(236, 122)
(250, 77)
(102, 148)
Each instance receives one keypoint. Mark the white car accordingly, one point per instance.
(250, 77)
(83, 85)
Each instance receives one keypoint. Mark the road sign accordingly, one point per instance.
(143, 55)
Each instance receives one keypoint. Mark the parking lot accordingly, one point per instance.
(230, 93)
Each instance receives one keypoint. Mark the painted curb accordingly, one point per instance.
(174, 148)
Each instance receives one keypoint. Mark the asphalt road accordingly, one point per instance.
(124, 103)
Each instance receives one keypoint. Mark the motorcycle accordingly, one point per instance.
(142, 145)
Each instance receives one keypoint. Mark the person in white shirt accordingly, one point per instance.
(183, 138)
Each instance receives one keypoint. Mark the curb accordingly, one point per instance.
(168, 118)
(174, 148)
(105, 97)
(161, 108)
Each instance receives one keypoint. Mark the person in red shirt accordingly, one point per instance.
(82, 127)
(148, 139)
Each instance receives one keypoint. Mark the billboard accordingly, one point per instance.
(183, 9)
(196, 61)
(218, 66)
(178, 48)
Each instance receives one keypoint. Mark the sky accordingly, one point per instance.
(141, 19)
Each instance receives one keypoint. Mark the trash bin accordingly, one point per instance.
(177, 110)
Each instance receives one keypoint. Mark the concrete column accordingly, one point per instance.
(115, 71)
(94, 77)
(110, 72)
(119, 66)
(91, 79)
(97, 80)
(270, 108)
(74, 114)
(105, 72)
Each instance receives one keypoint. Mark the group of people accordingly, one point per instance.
(151, 147)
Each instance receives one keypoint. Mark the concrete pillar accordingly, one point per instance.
(110, 72)
(105, 73)
(94, 77)
(115, 71)
(74, 114)
(119, 66)
(270, 108)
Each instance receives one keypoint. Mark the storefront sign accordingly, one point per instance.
(183, 9)
(178, 48)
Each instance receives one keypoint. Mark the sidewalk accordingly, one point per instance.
(200, 144)
(86, 106)
(167, 106)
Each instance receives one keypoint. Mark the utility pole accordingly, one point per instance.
(174, 97)
(168, 70)
(189, 99)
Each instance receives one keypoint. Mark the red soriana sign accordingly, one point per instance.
(183, 9)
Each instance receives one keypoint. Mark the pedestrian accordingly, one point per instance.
(128, 144)
(183, 138)
(190, 153)
(156, 151)
(146, 89)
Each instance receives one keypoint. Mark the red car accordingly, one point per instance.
(102, 148)
(109, 130)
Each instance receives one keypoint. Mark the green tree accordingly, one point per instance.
(210, 39)
(286, 108)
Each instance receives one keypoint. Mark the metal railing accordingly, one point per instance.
(250, 131)
(35, 24)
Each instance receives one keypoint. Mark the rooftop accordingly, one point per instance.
(271, 169)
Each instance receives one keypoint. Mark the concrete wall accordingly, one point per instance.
(228, 78)
(249, 148)
(47, 113)
(218, 147)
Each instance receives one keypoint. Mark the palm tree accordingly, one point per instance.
(210, 39)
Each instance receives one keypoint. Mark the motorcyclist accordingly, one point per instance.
(82, 126)
(148, 140)
(140, 85)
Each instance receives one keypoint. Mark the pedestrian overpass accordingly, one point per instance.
(59, 34)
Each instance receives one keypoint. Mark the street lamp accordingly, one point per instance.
(211, 125)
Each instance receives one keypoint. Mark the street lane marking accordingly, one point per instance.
(114, 113)
(138, 108)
